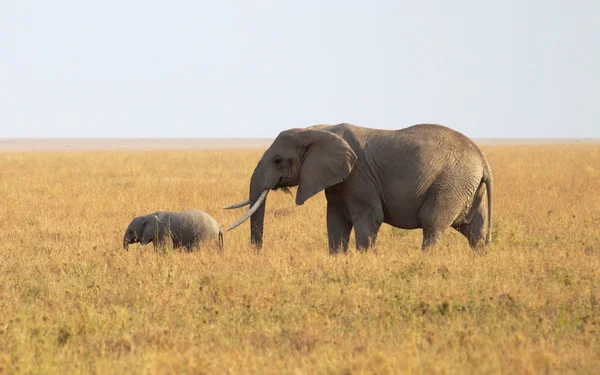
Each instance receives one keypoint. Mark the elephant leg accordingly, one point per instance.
(194, 244)
(476, 230)
(156, 245)
(338, 227)
(468, 231)
(437, 214)
(474, 227)
(366, 227)
(431, 236)
(365, 234)
(366, 213)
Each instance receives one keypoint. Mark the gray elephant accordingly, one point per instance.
(188, 229)
(424, 176)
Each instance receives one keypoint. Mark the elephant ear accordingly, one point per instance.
(328, 160)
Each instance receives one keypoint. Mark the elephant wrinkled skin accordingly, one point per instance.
(188, 229)
(424, 176)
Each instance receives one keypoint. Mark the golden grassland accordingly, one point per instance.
(73, 301)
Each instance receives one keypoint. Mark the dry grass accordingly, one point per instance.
(73, 301)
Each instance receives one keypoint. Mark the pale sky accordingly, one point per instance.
(72, 68)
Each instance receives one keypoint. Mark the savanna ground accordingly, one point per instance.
(73, 301)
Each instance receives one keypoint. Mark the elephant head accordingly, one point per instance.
(142, 229)
(310, 158)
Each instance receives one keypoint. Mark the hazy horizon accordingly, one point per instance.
(51, 138)
(107, 144)
(234, 69)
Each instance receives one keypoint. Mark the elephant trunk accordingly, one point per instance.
(126, 243)
(257, 190)
(257, 224)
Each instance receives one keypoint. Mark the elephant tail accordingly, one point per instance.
(220, 239)
(487, 179)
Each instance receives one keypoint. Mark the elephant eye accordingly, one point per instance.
(277, 160)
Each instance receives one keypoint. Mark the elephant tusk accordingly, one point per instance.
(238, 204)
(252, 210)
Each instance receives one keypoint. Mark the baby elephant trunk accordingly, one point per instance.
(126, 243)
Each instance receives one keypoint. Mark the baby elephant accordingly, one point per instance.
(186, 228)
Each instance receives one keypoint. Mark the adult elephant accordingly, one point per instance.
(423, 176)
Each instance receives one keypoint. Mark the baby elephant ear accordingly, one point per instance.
(328, 160)
(150, 229)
